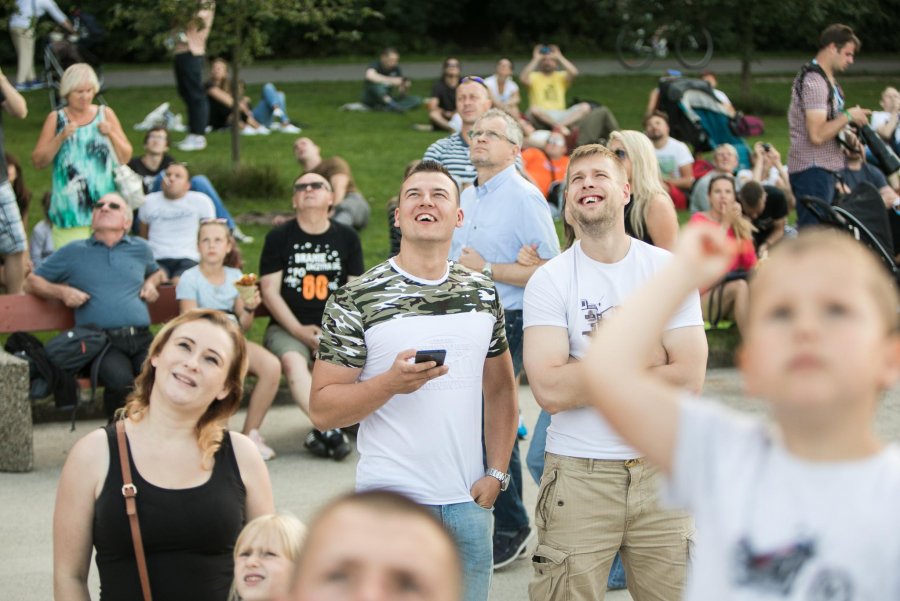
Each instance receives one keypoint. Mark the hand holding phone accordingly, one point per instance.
(436, 355)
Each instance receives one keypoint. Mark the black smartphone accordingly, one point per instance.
(437, 356)
(767, 147)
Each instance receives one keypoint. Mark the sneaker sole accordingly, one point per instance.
(519, 553)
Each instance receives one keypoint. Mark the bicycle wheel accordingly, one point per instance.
(633, 48)
(694, 47)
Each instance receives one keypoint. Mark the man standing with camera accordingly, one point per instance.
(817, 116)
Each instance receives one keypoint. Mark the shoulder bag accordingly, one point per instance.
(129, 491)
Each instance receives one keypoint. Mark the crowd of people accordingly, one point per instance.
(640, 484)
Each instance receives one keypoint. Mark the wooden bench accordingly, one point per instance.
(29, 313)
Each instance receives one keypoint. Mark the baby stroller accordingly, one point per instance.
(697, 117)
(64, 51)
(861, 214)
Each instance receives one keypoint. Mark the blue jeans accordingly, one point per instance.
(271, 98)
(509, 511)
(201, 183)
(814, 181)
(535, 463)
(470, 526)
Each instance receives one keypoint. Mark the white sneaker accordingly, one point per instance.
(262, 130)
(192, 142)
(275, 126)
(289, 128)
(264, 449)
(241, 236)
(277, 114)
(248, 131)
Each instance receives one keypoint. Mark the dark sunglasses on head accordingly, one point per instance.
(310, 186)
(113, 206)
(475, 79)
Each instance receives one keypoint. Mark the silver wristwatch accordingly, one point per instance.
(488, 270)
(503, 478)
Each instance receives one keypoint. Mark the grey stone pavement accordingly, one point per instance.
(260, 72)
(301, 484)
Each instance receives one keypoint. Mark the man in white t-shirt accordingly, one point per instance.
(597, 495)
(170, 220)
(420, 414)
(676, 163)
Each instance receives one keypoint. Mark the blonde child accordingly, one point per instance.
(264, 557)
(806, 508)
(210, 285)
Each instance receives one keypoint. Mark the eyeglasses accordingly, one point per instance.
(302, 187)
(620, 153)
(206, 220)
(490, 135)
(112, 206)
(474, 78)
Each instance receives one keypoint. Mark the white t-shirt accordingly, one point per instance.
(674, 155)
(772, 526)
(174, 223)
(509, 88)
(29, 11)
(575, 292)
(879, 118)
(425, 444)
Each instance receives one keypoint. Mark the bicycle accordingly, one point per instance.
(638, 44)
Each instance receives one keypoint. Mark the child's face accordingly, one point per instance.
(817, 342)
(261, 570)
(214, 243)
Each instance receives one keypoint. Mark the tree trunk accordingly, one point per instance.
(746, 43)
(236, 109)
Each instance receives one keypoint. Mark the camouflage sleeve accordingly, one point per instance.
(343, 339)
(498, 338)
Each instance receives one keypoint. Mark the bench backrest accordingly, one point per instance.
(29, 313)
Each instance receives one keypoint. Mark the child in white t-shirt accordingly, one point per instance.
(809, 507)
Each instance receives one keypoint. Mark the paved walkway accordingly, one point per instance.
(261, 73)
(301, 484)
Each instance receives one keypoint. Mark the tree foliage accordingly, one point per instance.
(240, 30)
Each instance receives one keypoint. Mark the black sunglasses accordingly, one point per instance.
(475, 79)
(113, 206)
(310, 186)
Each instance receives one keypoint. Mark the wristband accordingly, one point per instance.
(847, 114)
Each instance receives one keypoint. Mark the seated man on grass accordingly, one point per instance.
(385, 87)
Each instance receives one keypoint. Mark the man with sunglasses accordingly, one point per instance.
(349, 206)
(108, 279)
(303, 261)
(504, 212)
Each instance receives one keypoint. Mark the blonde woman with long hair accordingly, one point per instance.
(197, 482)
(650, 216)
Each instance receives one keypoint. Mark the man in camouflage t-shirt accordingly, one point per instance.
(421, 423)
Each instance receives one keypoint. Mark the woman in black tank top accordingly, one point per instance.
(197, 483)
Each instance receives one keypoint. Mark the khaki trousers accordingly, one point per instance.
(587, 510)
(23, 41)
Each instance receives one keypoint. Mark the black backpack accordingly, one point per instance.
(46, 378)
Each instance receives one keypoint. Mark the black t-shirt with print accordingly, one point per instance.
(312, 265)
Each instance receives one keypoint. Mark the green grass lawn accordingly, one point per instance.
(378, 146)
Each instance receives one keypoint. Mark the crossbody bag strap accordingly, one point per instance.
(129, 491)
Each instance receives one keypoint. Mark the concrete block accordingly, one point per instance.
(16, 431)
